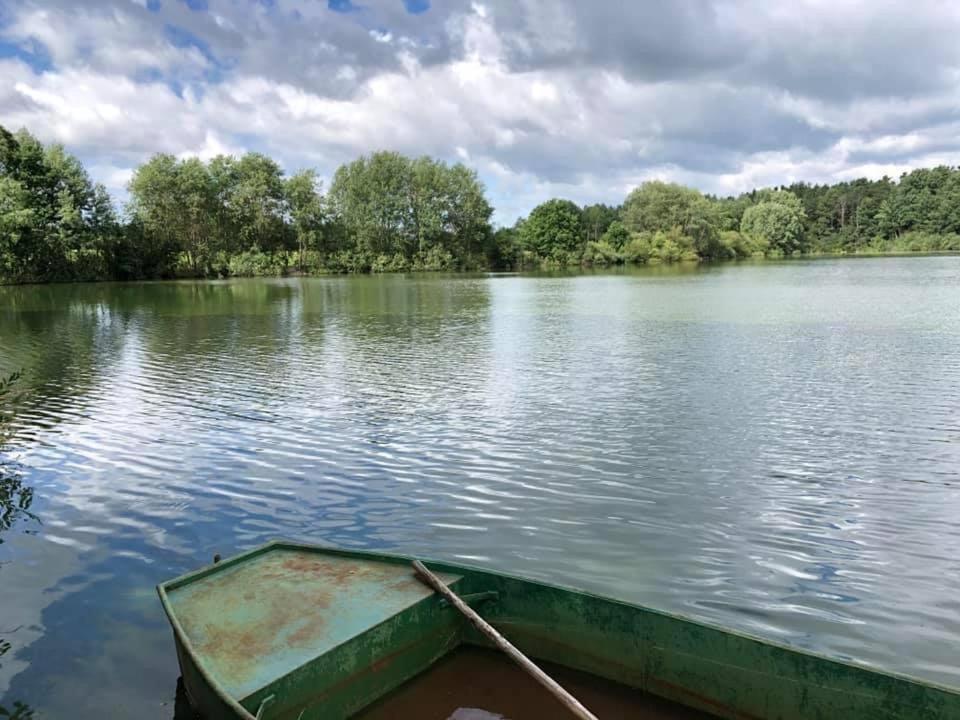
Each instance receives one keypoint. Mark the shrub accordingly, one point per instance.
(738, 245)
(436, 258)
(639, 249)
(254, 263)
(390, 263)
(673, 246)
(601, 253)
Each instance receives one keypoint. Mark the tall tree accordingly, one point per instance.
(257, 203)
(155, 207)
(777, 219)
(305, 203)
(554, 230)
(422, 210)
(660, 207)
(596, 219)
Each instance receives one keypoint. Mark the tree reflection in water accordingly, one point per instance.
(15, 497)
(15, 501)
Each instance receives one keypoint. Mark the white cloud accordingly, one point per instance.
(564, 106)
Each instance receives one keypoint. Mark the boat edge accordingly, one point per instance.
(444, 566)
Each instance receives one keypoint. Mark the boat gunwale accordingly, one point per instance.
(218, 566)
(444, 566)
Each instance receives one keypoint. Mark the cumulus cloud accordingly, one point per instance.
(558, 98)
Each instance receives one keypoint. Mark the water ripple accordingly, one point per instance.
(774, 448)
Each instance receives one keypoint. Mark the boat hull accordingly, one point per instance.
(727, 674)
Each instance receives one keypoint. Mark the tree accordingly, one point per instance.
(196, 210)
(47, 203)
(420, 212)
(371, 198)
(777, 219)
(257, 203)
(466, 212)
(155, 202)
(616, 235)
(305, 203)
(659, 206)
(554, 230)
(596, 219)
(16, 226)
(505, 248)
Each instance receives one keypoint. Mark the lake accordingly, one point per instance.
(773, 447)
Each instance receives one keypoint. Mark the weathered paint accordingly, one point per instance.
(727, 674)
(255, 622)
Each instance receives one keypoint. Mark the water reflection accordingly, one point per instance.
(771, 447)
(16, 497)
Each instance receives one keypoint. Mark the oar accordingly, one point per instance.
(501, 642)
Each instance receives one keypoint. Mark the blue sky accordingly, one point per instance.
(545, 98)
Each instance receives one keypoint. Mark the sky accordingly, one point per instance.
(544, 98)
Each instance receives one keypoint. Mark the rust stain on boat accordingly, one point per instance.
(257, 621)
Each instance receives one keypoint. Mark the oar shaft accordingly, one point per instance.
(501, 642)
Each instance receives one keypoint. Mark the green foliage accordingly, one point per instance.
(190, 212)
(51, 214)
(914, 241)
(504, 251)
(390, 263)
(737, 245)
(436, 258)
(238, 216)
(256, 263)
(602, 253)
(670, 208)
(661, 206)
(616, 235)
(640, 249)
(422, 210)
(776, 219)
(662, 246)
(553, 232)
(389, 213)
(307, 212)
(672, 245)
(597, 219)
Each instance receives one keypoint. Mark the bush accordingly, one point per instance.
(254, 263)
(926, 242)
(314, 263)
(738, 245)
(601, 253)
(672, 246)
(616, 235)
(436, 258)
(86, 266)
(390, 263)
(639, 249)
(349, 261)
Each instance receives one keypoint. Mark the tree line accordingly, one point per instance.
(234, 216)
(666, 222)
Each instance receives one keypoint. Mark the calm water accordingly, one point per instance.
(772, 447)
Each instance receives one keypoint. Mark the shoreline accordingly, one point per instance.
(573, 269)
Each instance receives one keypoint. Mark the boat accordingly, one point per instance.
(290, 631)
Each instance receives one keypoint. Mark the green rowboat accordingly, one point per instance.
(299, 632)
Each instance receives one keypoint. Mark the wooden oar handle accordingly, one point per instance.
(571, 703)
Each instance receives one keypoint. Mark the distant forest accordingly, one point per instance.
(385, 212)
